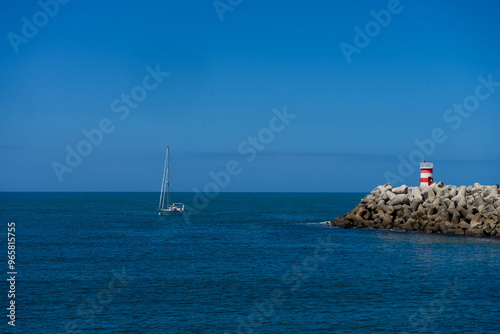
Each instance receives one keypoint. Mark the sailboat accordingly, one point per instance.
(165, 190)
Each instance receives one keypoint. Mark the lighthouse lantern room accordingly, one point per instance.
(426, 173)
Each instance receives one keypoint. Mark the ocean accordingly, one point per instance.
(247, 263)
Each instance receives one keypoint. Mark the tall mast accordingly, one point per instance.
(162, 192)
(168, 183)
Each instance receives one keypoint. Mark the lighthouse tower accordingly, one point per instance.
(426, 173)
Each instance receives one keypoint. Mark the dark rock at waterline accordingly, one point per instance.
(438, 208)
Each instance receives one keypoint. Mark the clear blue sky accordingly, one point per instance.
(353, 119)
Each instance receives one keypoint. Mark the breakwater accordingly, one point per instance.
(438, 208)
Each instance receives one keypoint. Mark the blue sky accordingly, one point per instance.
(353, 121)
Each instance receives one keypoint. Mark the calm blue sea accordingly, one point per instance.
(248, 263)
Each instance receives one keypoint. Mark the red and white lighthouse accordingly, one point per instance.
(426, 173)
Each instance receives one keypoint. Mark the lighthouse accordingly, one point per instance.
(426, 173)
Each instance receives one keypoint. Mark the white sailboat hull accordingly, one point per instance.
(172, 209)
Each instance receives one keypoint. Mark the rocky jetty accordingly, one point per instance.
(438, 208)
